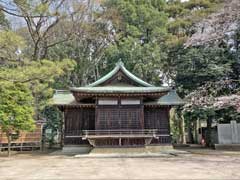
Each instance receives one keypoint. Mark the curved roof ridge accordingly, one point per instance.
(120, 65)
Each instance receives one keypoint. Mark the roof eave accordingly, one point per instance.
(87, 91)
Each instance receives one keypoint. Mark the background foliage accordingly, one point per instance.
(156, 40)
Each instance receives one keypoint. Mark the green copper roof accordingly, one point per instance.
(120, 66)
(66, 98)
(115, 89)
(63, 98)
(171, 98)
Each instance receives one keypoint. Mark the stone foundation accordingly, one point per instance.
(159, 148)
(132, 150)
(76, 149)
(229, 147)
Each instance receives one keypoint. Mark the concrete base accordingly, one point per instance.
(128, 155)
(230, 147)
(159, 148)
(148, 151)
(141, 152)
(75, 149)
(133, 150)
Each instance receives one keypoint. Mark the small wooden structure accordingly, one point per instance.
(26, 140)
(117, 110)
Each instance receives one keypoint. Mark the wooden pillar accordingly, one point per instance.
(96, 115)
(63, 128)
(142, 114)
(41, 140)
(120, 142)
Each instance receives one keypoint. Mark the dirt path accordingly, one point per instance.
(188, 166)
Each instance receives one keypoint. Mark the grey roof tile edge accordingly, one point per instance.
(171, 98)
(109, 89)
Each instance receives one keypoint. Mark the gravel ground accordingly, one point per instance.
(200, 164)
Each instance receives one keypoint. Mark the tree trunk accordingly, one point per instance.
(97, 72)
(44, 51)
(9, 143)
(196, 127)
(190, 134)
(183, 137)
(35, 52)
(208, 133)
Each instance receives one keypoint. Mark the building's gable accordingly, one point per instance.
(120, 76)
(119, 79)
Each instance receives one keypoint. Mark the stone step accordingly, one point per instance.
(76, 149)
(121, 150)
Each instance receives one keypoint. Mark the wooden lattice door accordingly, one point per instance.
(129, 117)
(118, 117)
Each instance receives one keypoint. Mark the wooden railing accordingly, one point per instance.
(133, 132)
(81, 133)
(95, 137)
(74, 134)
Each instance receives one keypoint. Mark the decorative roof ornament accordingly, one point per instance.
(120, 63)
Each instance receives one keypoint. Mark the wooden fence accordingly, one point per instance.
(26, 140)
